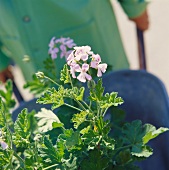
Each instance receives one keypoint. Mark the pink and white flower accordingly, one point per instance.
(101, 69)
(71, 59)
(73, 69)
(95, 63)
(82, 53)
(96, 59)
(83, 76)
(65, 43)
(4, 145)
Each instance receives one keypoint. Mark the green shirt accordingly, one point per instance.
(26, 27)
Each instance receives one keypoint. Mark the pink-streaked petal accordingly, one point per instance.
(52, 42)
(62, 40)
(85, 67)
(84, 57)
(55, 50)
(99, 73)
(81, 77)
(71, 56)
(88, 77)
(77, 68)
(69, 43)
(63, 47)
(94, 64)
(4, 145)
(68, 53)
(78, 57)
(103, 67)
(96, 57)
(53, 55)
(62, 54)
(72, 71)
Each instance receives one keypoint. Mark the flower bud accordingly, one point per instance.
(40, 75)
(91, 84)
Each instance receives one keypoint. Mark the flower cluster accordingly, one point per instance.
(81, 59)
(64, 44)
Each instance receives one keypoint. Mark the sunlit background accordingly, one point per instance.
(156, 39)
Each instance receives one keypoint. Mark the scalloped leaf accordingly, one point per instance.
(133, 132)
(79, 118)
(96, 93)
(37, 86)
(45, 119)
(52, 96)
(49, 153)
(21, 136)
(152, 132)
(5, 159)
(111, 100)
(7, 94)
(141, 151)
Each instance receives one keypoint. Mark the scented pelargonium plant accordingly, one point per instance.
(75, 134)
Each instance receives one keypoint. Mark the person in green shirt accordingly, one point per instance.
(27, 26)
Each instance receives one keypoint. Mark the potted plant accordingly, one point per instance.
(78, 136)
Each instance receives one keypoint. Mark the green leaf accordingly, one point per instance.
(111, 100)
(5, 159)
(50, 68)
(96, 93)
(141, 151)
(48, 153)
(95, 160)
(91, 139)
(78, 93)
(79, 118)
(71, 163)
(32, 159)
(52, 96)
(64, 74)
(2, 112)
(124, 157)
(133, 132)
(57, 125)
(138, 135)
(21, 136)
(45, 119)
(74, 93)
(71, 138)
(151, 132)
(7, 96)
(37, 86)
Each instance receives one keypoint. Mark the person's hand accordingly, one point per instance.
(142, 22)
(6, 74)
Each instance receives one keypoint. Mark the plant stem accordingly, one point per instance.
(73, 107)
(52, 81)
(87, 105)
(98, 109)
(105, 112)
(70, 80)
(20, 159)
(50, 166)
(80, 104)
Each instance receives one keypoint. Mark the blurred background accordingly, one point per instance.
(156, 42)
(156, 39)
